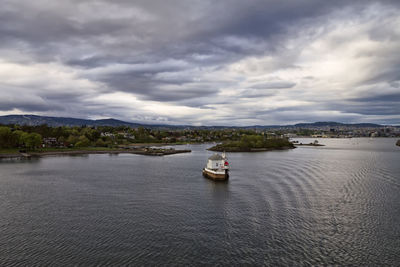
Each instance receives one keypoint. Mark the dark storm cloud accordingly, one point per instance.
(387, 104)
(29, 106)
(380, 98)
(177, 29)
(182, 52)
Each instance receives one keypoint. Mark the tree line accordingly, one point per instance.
(31, 137)
(18, 138)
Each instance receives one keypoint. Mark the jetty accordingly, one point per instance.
(139, 151)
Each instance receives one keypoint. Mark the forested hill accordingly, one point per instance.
(34, 120)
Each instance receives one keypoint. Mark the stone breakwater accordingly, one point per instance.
(310, 144)
(139, 151)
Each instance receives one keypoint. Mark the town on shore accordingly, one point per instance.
(43, 138)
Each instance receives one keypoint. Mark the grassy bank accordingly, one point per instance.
(8, 150)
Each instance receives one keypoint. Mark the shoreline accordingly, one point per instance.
(146, 152)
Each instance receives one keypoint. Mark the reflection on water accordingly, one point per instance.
(19, 160)
(332, 205)
(219, 190)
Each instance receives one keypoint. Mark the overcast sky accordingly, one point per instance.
(230, 62)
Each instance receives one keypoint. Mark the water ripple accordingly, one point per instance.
(330, 206)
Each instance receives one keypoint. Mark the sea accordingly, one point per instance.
(337, 204)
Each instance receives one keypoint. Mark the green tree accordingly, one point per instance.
(18, 134)
(32, 140)
(61, 139)
(83, 142)
(7, 139)
(100, 143)
(72, 139)
(91, 134)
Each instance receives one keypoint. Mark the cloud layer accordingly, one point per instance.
(202, 62)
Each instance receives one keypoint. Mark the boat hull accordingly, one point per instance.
(217, 176)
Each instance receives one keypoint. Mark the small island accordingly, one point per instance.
(254, 143)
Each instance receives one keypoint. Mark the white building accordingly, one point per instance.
(216, 161)
(106, 134)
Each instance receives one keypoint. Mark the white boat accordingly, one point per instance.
(217, 167)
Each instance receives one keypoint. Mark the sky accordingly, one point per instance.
(202, 62)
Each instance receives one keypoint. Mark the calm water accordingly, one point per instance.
(338, 204)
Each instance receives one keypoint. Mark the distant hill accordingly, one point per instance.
(335, 124)
(62, 121)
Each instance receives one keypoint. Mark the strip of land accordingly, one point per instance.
(310, 144)
(139, 151)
